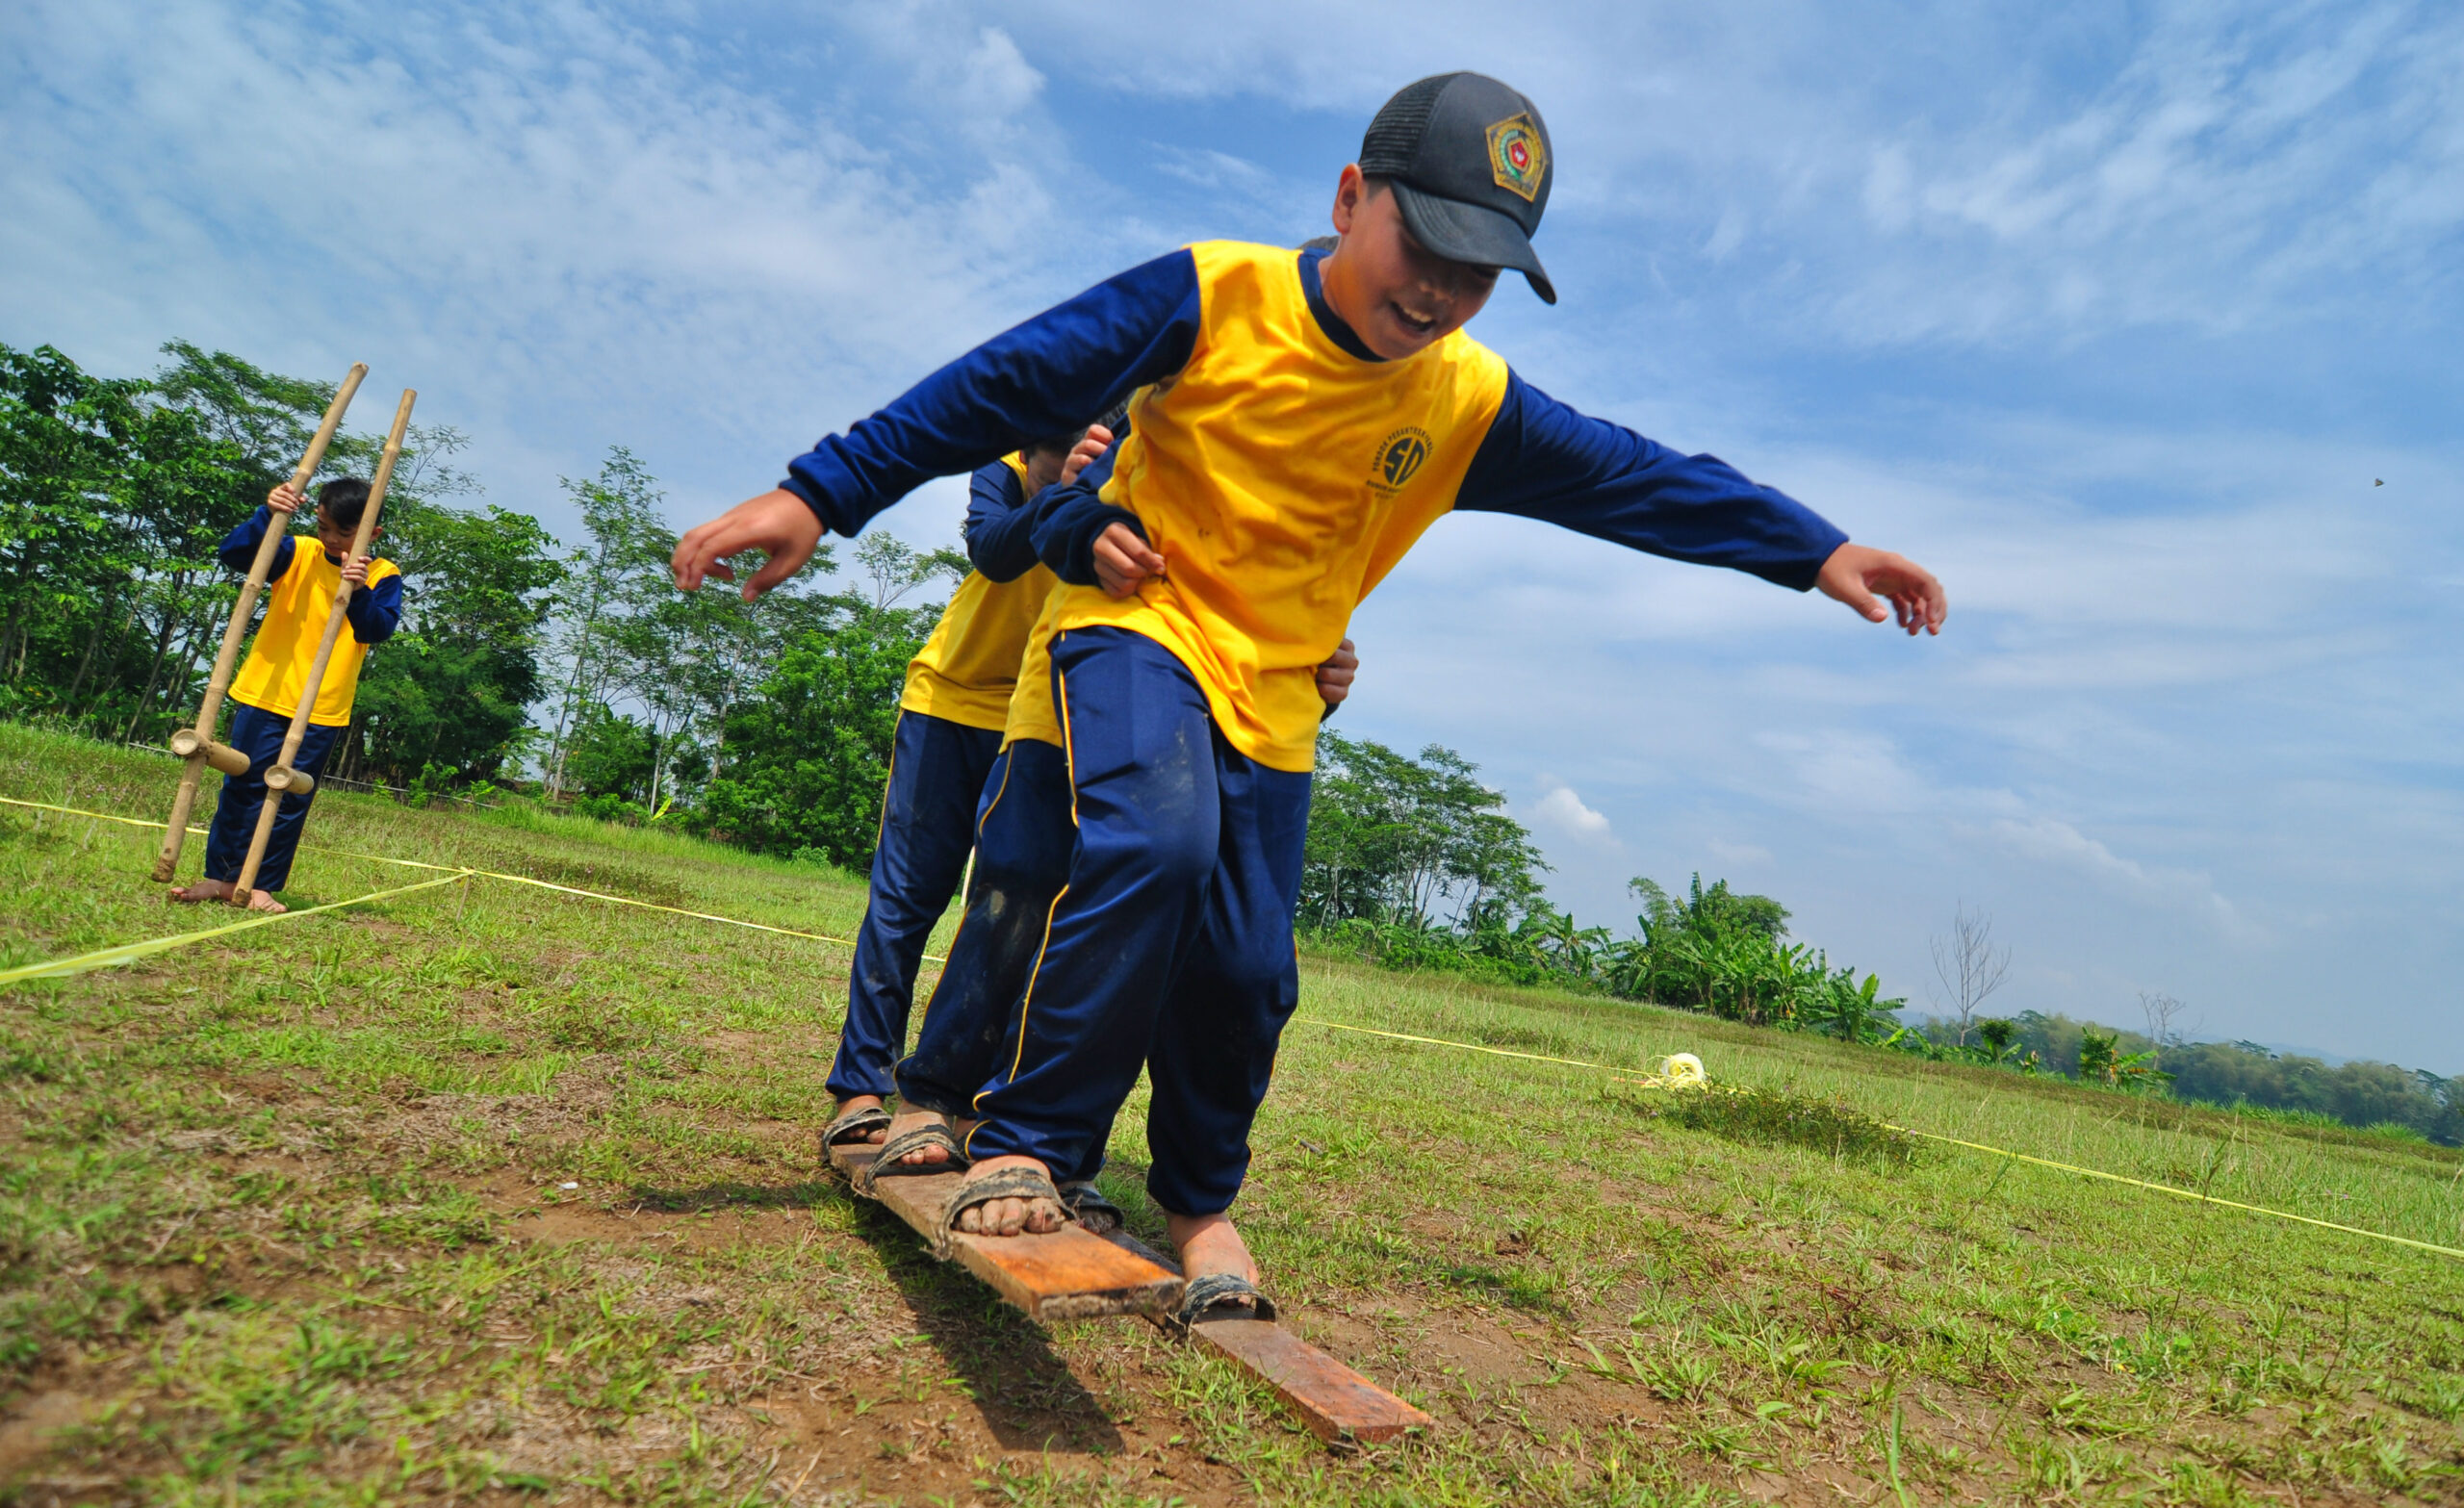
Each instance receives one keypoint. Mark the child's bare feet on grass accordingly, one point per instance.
(263, 901)
(1208, 1244)
(204, 890)
(1010, 1217)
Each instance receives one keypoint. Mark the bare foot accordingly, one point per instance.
(849, 1106)
(1208, 1244)
(204, 890)
(907, 1120)
(1010, 1217)
(263, 901)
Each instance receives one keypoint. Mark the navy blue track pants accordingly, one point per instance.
(1170, 946)
(1023, 841)
(937, 773)
(259, 734)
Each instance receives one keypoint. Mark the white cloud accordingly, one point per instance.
(1560, 810)
(562, 226)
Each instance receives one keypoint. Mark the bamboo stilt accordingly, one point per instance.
(282, 777)
(168, 862)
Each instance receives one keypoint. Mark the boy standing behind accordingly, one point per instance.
(950, 717)
(299, 598)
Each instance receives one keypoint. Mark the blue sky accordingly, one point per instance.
(2113, 314)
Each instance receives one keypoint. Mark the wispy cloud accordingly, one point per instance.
(2050, 841)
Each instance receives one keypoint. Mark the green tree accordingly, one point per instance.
(604, 583)
(454, 687)
(1718, 912)
(1414, 842)
(612, 755)
(808, 755)
(112, 496)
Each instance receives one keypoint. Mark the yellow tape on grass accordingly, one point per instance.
(131, 951)
(485, 874)
(1974, 1146)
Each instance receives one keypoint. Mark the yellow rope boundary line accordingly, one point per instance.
(131, 951)
(488, 874)
(1974, 1146)
(128, 952)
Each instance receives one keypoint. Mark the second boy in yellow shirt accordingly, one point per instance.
(950, 718)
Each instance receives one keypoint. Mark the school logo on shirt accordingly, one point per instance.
(1518, 159)
(1399, 455)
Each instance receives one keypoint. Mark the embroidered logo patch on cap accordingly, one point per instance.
(1518, 159)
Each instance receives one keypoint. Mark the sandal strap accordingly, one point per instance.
(889, 1164)
(853, 1124)
(1086, 1205)
(1006, 1183)
(1218, 1289)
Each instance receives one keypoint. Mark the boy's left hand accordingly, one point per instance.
(1863, 576)
(1089, 449)
(355, 571)
(1335, 677)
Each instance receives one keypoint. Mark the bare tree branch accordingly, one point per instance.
(1969, 965)
(2162, 1010)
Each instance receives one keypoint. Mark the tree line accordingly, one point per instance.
(577, 674)
(577, 671)
(1415, 863)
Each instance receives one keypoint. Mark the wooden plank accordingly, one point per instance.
(1064, 1274)
(1335, 1402)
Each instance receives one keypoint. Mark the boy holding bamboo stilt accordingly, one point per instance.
(299, 598)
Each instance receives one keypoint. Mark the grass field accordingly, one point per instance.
(512, 1196)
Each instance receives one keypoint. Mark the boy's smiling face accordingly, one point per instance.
(1398, 297)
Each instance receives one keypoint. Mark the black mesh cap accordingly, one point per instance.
(1469, 163)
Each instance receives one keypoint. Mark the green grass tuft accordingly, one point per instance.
(1778, 1117)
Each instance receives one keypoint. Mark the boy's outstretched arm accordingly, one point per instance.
(1072, 361)
(1543, 460)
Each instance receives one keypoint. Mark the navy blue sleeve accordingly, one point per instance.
(238, 549)
(1069, 520)
(1543, 460)
(1055, 373)
(999, 538)
(375, 610)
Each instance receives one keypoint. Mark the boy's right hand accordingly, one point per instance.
(778, 523)
(1123, 561)
(285, 499)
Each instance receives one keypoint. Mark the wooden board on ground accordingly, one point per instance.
(1067, 1274)
(1335, 1402)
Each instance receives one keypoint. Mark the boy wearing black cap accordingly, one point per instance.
(1308, 416)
